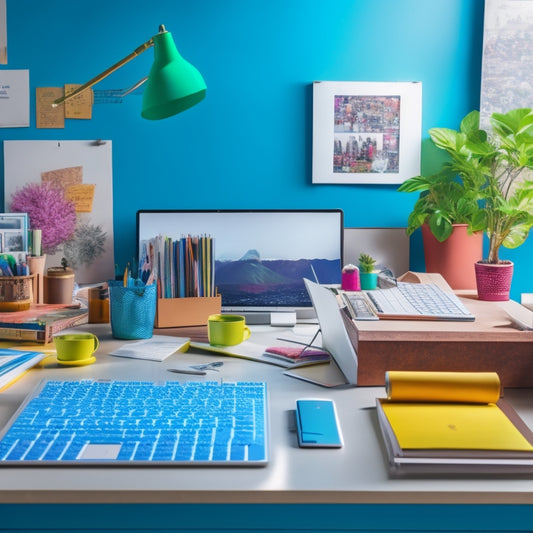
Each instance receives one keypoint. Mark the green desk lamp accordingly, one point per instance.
(172, 86)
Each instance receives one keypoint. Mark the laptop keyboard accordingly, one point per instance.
(419, 300)
(140, 422)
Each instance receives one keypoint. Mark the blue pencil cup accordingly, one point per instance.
(132, 310)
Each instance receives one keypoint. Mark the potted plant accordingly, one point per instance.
(367, 273)
(447, 211)
(497, 163)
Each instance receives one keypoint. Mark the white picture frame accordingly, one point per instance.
(366, 132)
(13, 232)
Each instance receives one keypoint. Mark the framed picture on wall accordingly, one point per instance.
(13, 232)
(366, 132)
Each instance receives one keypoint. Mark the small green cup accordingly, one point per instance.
(227, 330)
(76, 348)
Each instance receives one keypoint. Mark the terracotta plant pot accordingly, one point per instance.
(494, 281)
(454, 258)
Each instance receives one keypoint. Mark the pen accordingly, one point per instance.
(187, 371)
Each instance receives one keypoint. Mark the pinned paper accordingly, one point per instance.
(14, 98)
(81, 196)
(79, 106)
(63, 177)
(47, 115)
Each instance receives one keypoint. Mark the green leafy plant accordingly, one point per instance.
(500, 162)
(366, 263)
(451, 196)
(483, 185)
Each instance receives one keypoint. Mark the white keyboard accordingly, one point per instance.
(418, 300)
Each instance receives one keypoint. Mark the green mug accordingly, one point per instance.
(227, 330)
(76, 348)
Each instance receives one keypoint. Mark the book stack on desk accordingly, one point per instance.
(41, 322)
(13, 364)
(452, 422)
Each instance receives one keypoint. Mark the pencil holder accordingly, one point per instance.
(99, 305)
(36, 264)
(16, 293)
(132, 310)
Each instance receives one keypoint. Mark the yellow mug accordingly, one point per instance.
(76, 348)
(227, 330)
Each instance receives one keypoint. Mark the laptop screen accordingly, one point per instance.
(261, 256)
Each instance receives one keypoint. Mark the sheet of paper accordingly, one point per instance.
(48, 116)
(63, 177)
(69, 163)
(80, 106)
(14, 98)
(157, 348)
(253, 352)
(82, 196)
(3, 33)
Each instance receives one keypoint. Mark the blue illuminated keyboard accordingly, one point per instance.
(139, 422)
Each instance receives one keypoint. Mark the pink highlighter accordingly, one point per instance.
(350, 278)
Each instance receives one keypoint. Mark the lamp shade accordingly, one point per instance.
(173, 85)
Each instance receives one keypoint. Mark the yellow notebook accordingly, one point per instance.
(466, 422)
(453, 426)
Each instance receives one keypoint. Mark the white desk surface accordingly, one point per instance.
(354, 474)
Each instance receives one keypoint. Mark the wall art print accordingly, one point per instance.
(506, 78)
(366, 132)
(74, 183)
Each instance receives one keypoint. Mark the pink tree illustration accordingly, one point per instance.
(49, 211)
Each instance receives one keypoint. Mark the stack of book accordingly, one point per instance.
(452, 422)
(13, 363)
(40, 322)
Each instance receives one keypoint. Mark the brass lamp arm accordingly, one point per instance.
(105, 73)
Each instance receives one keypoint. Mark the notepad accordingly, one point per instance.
(459, 425)
(156, 348)
(13, 363)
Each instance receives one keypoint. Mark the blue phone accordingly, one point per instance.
(317, 424)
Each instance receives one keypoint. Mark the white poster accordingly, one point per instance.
(507, 78)
(3, 33)
(74, 180)
(14, 98)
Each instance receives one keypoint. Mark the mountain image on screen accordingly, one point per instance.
(252, 281)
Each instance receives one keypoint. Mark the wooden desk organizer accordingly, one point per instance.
(179, 312)
(16, 292)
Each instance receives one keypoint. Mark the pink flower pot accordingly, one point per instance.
(494, 281)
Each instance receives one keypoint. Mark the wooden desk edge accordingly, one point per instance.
(264, 497)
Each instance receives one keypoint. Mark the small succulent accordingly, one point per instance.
(366, 263)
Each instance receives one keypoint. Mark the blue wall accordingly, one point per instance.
(248, 145)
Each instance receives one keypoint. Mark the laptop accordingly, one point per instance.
(335, 337)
